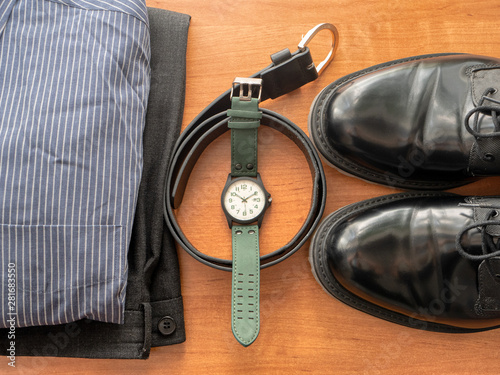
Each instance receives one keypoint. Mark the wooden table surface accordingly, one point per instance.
(303, 329)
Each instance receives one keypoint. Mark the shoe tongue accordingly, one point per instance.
(493, 230)
(487, 209)
(484, 78)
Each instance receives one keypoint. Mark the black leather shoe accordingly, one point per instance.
(423, 260)
(426, 122)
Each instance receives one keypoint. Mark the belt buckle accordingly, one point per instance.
(246, 86)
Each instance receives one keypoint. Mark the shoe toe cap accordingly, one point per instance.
(365, 257)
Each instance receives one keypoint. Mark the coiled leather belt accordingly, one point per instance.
(286, 73)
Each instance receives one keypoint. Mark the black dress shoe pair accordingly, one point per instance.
(429, 260)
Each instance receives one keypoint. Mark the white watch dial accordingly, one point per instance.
(244, 200)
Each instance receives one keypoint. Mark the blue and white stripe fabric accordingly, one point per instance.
(74, 84)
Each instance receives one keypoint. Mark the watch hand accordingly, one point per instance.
(251, 195)
(243, 199)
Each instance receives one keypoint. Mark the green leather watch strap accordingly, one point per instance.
(245, 314)
(244, 122)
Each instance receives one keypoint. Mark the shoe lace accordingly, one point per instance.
(490, 246)
(492, 108)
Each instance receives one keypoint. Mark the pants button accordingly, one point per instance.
(166, 325)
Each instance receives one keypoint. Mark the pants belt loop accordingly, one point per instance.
(147, 329)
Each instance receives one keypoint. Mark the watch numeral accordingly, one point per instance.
(256, 199)
(233, 207)
(244, 187)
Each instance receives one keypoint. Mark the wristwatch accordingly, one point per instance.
(244, 201)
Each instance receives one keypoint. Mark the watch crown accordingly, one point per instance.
(269, 200)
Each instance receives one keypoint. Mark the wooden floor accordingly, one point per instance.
(303, 329)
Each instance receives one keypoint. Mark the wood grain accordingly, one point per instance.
(303, 329)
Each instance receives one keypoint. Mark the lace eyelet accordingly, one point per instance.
(488, 157)
(489, 91)
(494, 214)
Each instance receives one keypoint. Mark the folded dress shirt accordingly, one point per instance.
(76, 164)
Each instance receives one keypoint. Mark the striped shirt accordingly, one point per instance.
(74, 84)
